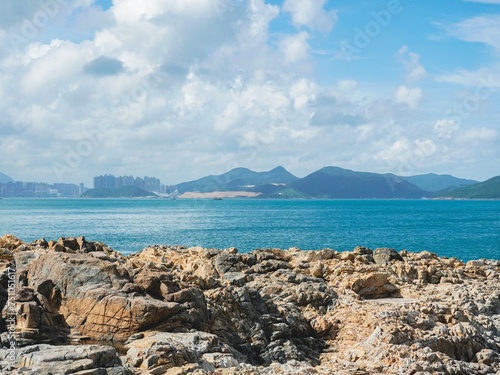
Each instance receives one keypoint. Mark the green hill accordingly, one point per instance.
(489, 189)
(238, 179)
(338, 183)
(437, 183)
(121, 192)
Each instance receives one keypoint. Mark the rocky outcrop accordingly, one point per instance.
(85, 359)
(160, 352)
(175, 310)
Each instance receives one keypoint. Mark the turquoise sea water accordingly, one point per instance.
(464, 229)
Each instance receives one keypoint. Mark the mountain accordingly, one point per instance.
(436, 183)
(334, 182)
(239, 179)
(4, 178)
(489, 189)
(121, 192)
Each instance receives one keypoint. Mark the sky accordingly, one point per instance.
(180, 89)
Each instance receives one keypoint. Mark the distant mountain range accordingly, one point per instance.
(5, 179)
(334, 182)
(329, 183)
(489, 189)
(438, 183)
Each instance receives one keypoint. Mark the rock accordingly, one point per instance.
(84, 359)
(374, 285)
(93, 303)
(236, 278)
(84, 246)
(42, 242)
(360, 250)
(162, 351)
(59, 248)
(486, 356)
(384, 255)
(9, 242)
(70, 243)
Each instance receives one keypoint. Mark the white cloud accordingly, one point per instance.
(311, 13)
(409, 96)
(230, 117)
(411, 62)
(445, 128)
(303, 92)
(477, 78)
(481, 29)
(295, 47)
(480, 134)
(400, 150)
(485, 1)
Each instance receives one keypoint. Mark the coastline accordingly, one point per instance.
(177, 310)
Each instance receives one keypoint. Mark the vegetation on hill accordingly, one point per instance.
(333, 182)
(238, 179)
(437, 183)
(121, 192)
(489, 189)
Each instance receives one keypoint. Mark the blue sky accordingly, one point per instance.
(179, 89)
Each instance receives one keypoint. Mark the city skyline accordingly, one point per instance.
(109, 181)
(184, 89)
(20, 188)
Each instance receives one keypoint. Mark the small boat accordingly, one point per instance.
(217, 199)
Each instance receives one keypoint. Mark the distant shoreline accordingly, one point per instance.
(252, 195)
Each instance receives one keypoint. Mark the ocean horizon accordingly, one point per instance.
(462, 229)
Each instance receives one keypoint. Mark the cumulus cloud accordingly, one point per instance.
(411, 63)
(303, 92)
(409, 96)
(295, 47)
(311, 13)
(445, 128)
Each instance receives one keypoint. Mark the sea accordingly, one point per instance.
(453, 228)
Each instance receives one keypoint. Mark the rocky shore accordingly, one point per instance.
(83, 308)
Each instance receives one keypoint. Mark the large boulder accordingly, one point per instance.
(159, 352)
(385, 255)
(87, 292)
(84, 359)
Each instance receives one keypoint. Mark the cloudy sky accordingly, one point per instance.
(179, 89)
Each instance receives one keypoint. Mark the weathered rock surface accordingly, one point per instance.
(174, 310)
(85, 359)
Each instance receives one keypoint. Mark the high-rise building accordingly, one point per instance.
(147, 183)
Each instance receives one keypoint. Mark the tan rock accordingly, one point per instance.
(10, 242)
